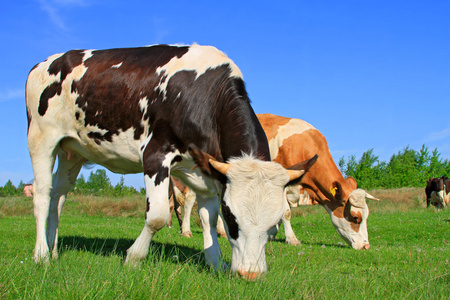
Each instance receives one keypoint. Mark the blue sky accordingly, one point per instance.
(367, 74)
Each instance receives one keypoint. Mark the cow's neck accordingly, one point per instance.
(322, 187)
(241, 134)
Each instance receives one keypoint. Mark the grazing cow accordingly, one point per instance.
(438, 192)
(161, 110)
(290, 141)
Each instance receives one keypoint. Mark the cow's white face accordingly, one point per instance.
(350, 220)
(253, 202)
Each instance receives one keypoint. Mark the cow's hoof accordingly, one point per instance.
(187, 234)
(293, 242)
(222, 234)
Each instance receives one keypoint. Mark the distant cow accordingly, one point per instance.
(290, 141)
(28, 189)
(438, 192)
(162, 110)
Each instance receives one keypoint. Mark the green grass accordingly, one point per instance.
(409, 256)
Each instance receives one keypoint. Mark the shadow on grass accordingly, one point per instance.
(283, 241)
(174, 253)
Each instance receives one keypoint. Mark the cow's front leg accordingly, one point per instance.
(41, 203)
(289, 232)
(156, 216)
(208, 210)
(43, 162)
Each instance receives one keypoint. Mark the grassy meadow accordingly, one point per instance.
(408, 259)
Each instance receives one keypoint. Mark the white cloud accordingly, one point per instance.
(12, 94)
(52, 12)
(439, 135)
(51, 7)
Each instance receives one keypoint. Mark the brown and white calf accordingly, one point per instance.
(290, 141)
(161, 110)
(438, 192)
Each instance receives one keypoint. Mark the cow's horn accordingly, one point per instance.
(369, 196)
(220, 166)
(356, 203)
(294, 174)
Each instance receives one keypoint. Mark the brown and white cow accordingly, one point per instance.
(161, 110)
(290, 141)
(438, 192)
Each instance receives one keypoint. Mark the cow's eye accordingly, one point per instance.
(357, 217)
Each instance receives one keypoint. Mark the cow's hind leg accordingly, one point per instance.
(156, 216)
(177, 209)
(69, 166)
(171, 209)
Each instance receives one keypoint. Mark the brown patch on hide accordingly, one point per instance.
(271, 124)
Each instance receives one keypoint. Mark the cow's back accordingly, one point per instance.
(294, 140)
(105, 104)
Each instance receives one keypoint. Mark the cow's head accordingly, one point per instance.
(350, 218)
(252, 202)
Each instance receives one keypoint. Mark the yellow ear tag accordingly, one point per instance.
(333, 191)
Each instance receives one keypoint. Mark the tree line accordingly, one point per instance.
(97, 184)
(407, 168)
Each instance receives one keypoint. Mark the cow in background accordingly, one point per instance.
(28, 189)
(290, 141)
(437, 192)
(161, 110)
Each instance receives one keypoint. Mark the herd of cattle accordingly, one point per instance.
(182, 112)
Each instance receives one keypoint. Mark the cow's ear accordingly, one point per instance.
(351, 182)
(304, 165)
(336, 190)
(201, 160)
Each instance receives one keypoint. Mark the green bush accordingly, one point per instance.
(10, 190)
(99, 184)
(407, 168)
